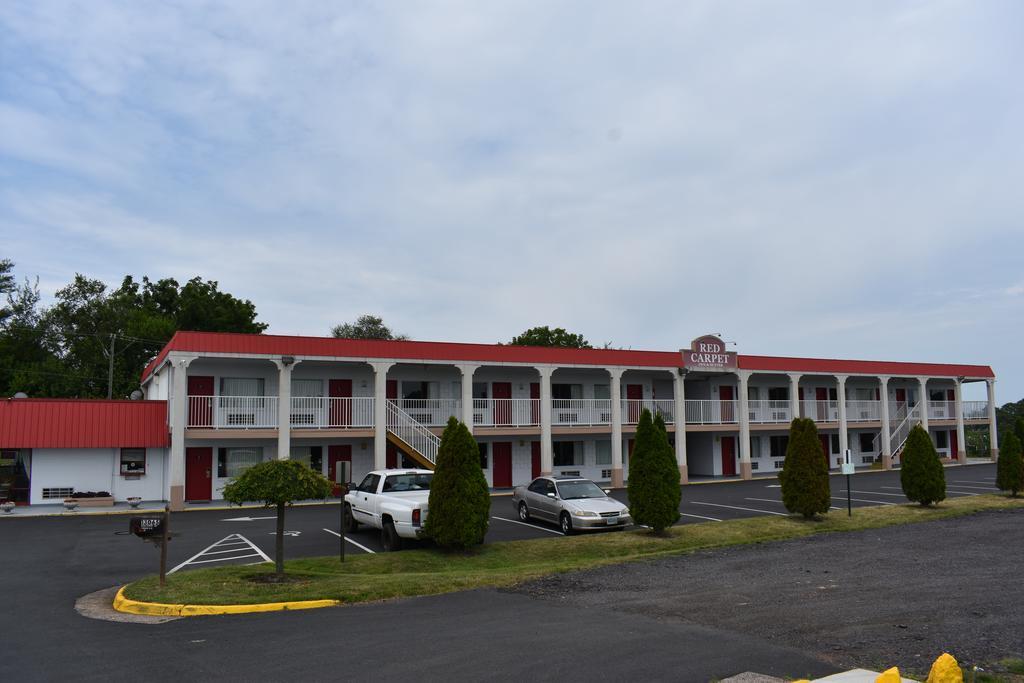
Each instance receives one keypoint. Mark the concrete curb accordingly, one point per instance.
(157, 609)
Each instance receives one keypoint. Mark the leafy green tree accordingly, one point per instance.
(1018, 429)
(6, 285)
(804, 477)
(366, 327)
(921, 475)
(545, 336)
(653, 485)
(459, 506)
(278, 483)
(1010, 466)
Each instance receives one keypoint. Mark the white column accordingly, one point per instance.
(380, 414)
(844, 435)
(961, 445)
(885, 437)
(993, 438)
(794, 395)
(467, 394)
(284, 406)
(546, 456)
(746, 471)
(679, 394)
(179, 421)
(923, 402)
(615, 389)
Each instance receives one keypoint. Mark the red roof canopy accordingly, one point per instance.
(276, 345)
(80, 423)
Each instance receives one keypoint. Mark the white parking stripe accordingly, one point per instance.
(968, 486)
(736, 507)
(224, 559)
(358, 545)
(710, 519)
(532, 526)
(963, 493)
(862, 500)
(231, 540)
(875, 493)
(769, 500)
(255, 547)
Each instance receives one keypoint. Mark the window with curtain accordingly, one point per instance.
(241, 386)
(305, 388)
(233, 461)
(602, 391)
(604, 452)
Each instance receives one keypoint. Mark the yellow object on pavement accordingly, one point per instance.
(945, 670)
(889, 676)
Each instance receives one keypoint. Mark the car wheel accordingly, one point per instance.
(566, 523)
(524, 513)
(389, 538)
(351, 525)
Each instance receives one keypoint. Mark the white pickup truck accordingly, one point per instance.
(394, 501)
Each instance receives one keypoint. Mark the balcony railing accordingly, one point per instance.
(975, 410)
(633, 407)
(321, 412)
(431, 412)
(506, 412)
(585, 412)
(941, 410)
(232, 412)
(820, 411)
(863, 411)
(769, 411)
(705, 412)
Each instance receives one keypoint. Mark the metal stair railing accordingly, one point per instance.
(412, 433)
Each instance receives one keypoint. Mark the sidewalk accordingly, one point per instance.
(145, 507)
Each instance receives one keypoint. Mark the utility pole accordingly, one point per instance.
(110, 367)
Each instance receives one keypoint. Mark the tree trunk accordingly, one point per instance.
(279, 557)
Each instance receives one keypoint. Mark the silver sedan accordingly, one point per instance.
(574, 504)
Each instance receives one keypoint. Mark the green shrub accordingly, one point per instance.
(653, 476)
(921, 474)
(804, 476)
(460, 503)
(278, 483)
(1010, 467)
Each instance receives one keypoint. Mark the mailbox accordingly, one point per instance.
(147, 527)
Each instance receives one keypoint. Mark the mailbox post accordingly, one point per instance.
(848, 470)
(342, 475)
(156, 530)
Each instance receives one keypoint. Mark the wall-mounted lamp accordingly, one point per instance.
(287, 360)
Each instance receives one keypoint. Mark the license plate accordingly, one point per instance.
(611, 520)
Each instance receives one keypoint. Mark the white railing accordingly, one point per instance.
(633, 407)
(975, 410)
(821, 411)
(581, 411)
(506, 412)
(232, 412)
(418, 437)
(433, 412)
(320, 412)
(763, 411)
(863, 411)
(711, 412)
(941, 410)
(902, 431)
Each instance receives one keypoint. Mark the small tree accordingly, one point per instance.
(366, 327)
(545, 336)
(922, 476)
(804, 477)
(278, 483)
(653, 476)
(459, 503)
(1010, 467)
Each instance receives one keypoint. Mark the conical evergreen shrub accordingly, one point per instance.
(459, 503)
(653, 476)
(1010, 466)
(921, 473)
(804, 476)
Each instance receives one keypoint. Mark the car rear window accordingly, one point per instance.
(407, 482)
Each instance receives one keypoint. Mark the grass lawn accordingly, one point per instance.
(428, 571)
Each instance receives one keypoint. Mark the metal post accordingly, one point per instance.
(163, 546)
(849, 503)
(341, 536)
(110, 370)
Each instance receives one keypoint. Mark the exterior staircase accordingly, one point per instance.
(898, 437)
(415, 440)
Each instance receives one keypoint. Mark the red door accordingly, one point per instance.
(634, 396)
(901, 396)
(826, 447)
(391, 456)
(501, 465)
(335, 454)
(535, 403)
(391, 389)
(729, 456)
(800, 402)
(534, 459)
(340, 413)
(726, 395)
(200, 409)
(502, 408)
(821, 400)
(198, 473)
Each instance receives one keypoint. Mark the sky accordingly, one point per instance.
(823, 179)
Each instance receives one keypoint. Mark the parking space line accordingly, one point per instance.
(968, 486)
(862, 500)
(736, 507)
(710, 519)
(532, 526)
(877, 493)
(230, 540)
(255, 547)
(229, 550)
(224, 559)
(358, 545)
(769, 500)
(963, 493)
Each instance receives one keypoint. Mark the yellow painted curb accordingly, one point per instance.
(157, 609)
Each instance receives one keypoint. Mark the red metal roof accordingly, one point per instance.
(276, 345)
(81, 423)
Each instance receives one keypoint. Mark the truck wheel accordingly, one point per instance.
(351, 525)
(524, 513)
(389, 538)
(566, 523)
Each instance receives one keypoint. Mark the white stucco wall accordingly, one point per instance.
(95, 469)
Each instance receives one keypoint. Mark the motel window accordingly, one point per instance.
(483, 455)
(231, 462)
(566, 391)
(241, 386)
(307, 388)
(864, 394)
(602, 391)
(567, 453)
(752, 393)
(755, 447)
(867, 442)
(480, 390)
(834, 441)
(833, 394)
(133, 461)
(778, 446)
(310, 456)
(941, 440)
(778, 394)
(604, 452)
(419, 390)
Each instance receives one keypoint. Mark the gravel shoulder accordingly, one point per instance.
(893, 596)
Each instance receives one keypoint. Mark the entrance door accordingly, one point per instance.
(335, 454)
(535, 403)
(502, 392)
(821, 401)
(340, 393)
(954, 444)
(634, 396)
(391, 456)
(729, 456)
(901, 397)
(198, 473)
(534, 459)
(501, 464)
(726, 396)
(200, 410)
(826, 448)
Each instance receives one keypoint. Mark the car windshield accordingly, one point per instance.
(407, 482)
(571, 490)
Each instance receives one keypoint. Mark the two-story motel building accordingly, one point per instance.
(234, 400)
